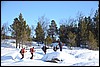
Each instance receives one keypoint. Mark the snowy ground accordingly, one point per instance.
(10, 56)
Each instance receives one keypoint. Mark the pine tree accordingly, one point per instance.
(15, 30)
(83, 31)
(48, 40)
(53, 31)
(25, 30)
(72, 37)
(44, 23)
(20, 30)
(96, 21)
(28, 29)
(24, 35)
(39, 33)
(62, 33)
(92, 41)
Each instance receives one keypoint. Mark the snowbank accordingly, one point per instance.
(10, 56)
(60, 55)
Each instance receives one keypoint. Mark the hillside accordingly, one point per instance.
(10, 56)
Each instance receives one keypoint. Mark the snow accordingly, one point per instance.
(76, 56)
(54, 44)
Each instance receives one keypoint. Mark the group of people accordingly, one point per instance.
(55, 48)
(44, 48)
(22, 51)
(60, 44)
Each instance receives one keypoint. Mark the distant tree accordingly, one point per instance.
(44, 23)
(39, 33)
(79, 19)
(4, 30)
(25, 31)
(92, 43)
(48, 40)
(24, 36)
(69, 26)
(78, 37)
(72, 37)
(16, 30)
(32, 32)
(28, 30)
(62, 33)
(83, 31)
(20, 30)
(96, 22)
(53, 31)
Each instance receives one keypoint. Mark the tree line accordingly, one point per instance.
(85, 33)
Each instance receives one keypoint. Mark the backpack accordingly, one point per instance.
(31, 50)
(22, 50)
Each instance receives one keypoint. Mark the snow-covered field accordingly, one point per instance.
(10, 56)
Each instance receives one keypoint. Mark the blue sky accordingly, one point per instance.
(32, 10)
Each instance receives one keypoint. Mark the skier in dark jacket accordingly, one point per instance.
(44, 48)
(60, 45)
(55, 48)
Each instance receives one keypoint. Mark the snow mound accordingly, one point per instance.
(8, 56)
(62, 56)
(90, 55)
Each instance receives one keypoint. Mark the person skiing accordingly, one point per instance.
(44, 48)
(60, 45)
(55, 48)
(32, 51)
(22, 51)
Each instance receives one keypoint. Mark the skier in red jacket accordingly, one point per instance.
(32, 51)
(22, 52)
